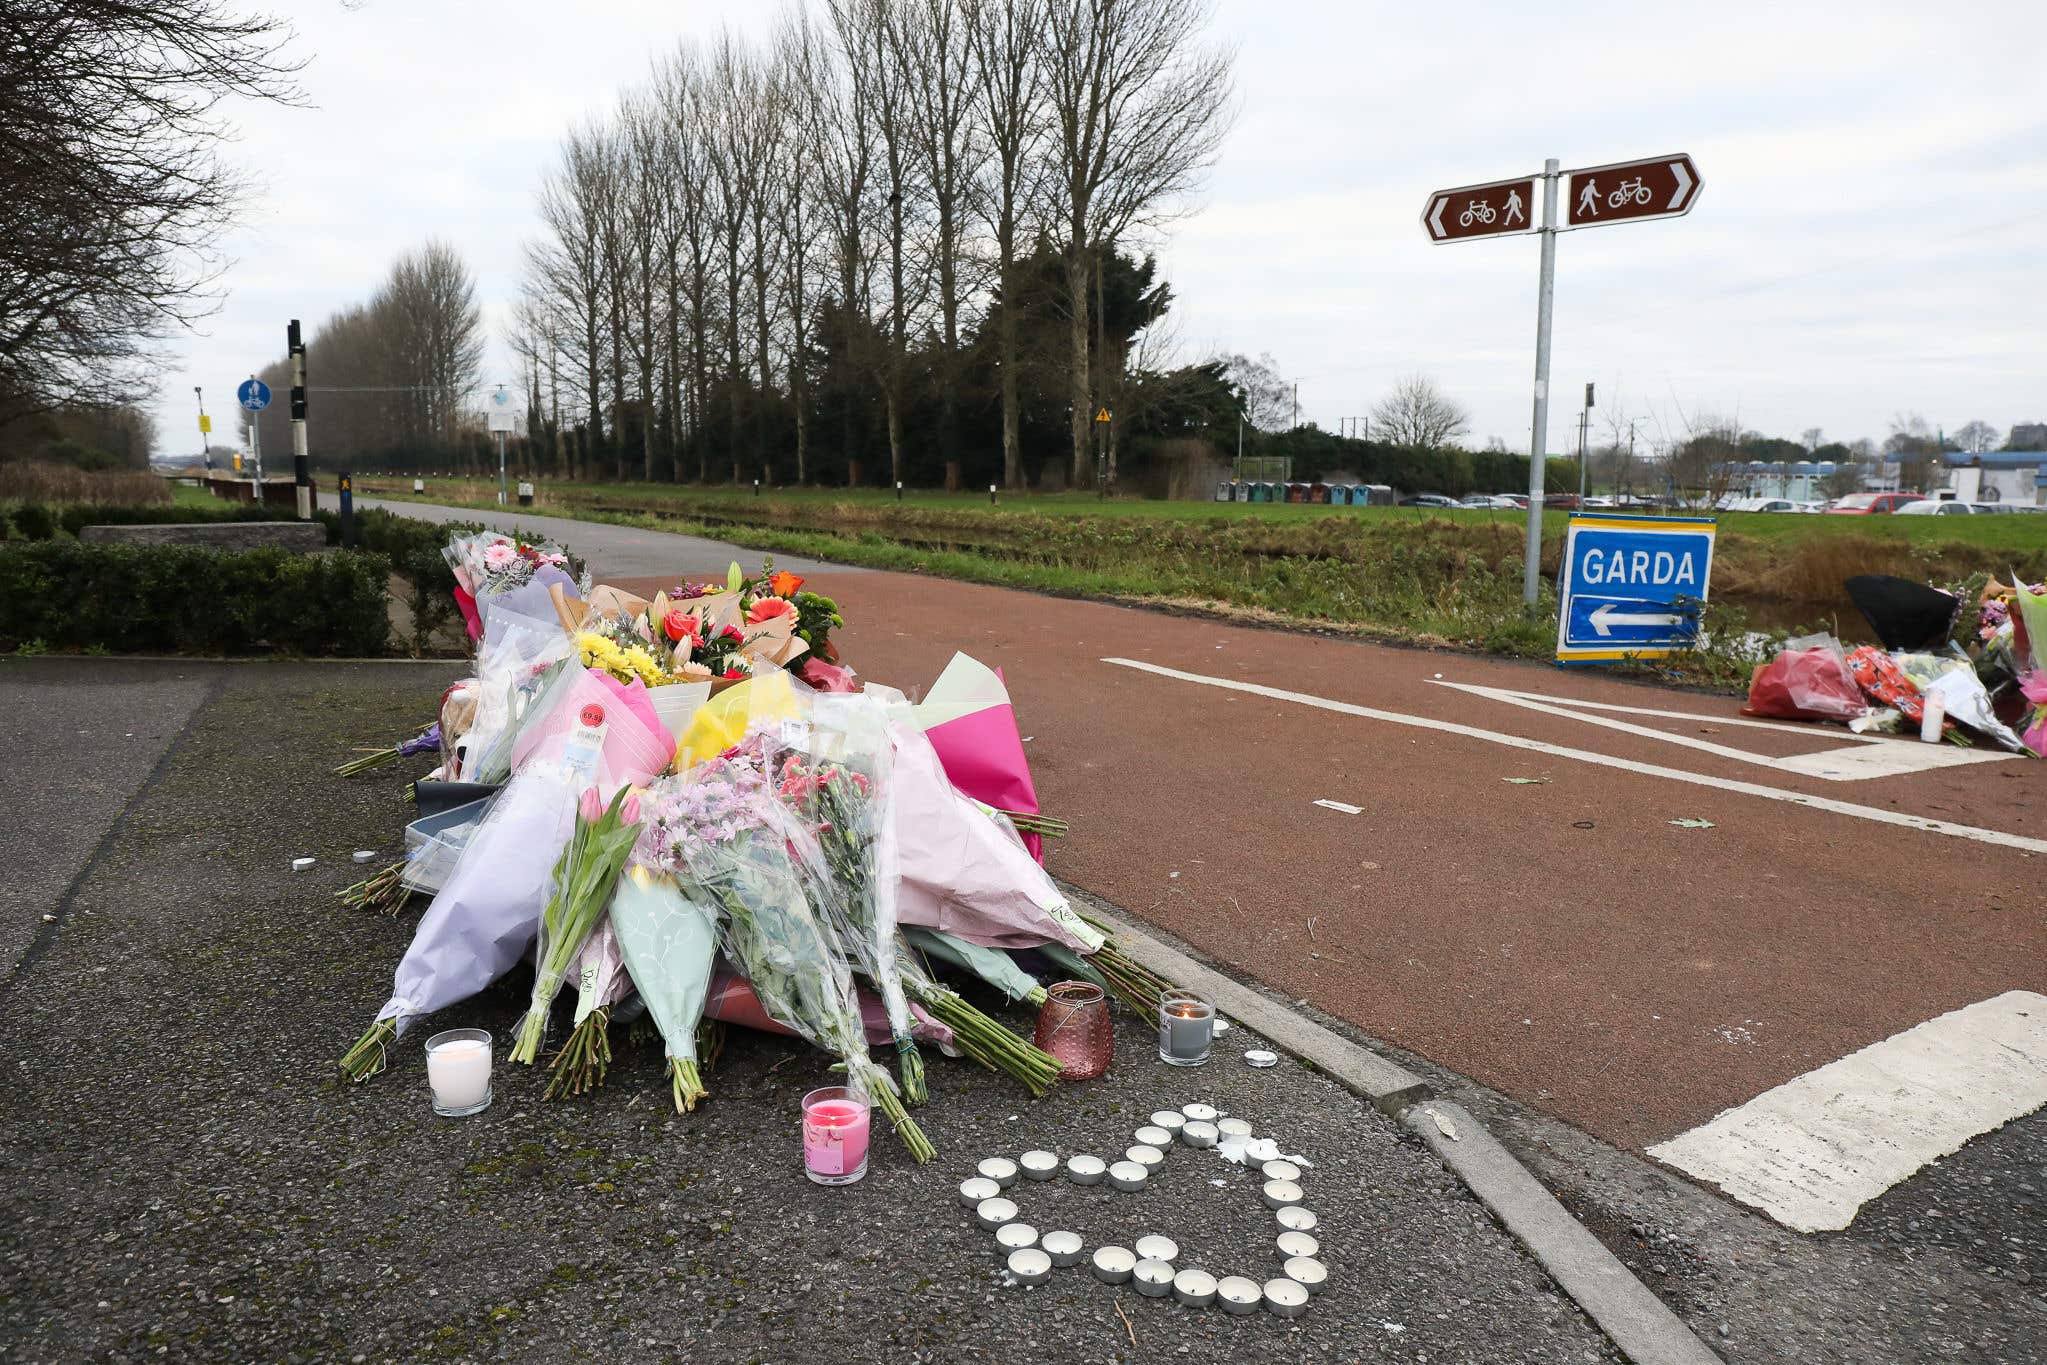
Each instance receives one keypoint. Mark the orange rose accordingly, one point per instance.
(785, 584)
(768, 608)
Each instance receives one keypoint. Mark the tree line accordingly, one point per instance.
(889, 242)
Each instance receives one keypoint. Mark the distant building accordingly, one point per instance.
(2014, 477)
(2028, 436)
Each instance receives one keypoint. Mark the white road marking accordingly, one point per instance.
(1873, 813)
(1882, 756)
(1813, 1151)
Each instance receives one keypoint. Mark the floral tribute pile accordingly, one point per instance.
(688, 812)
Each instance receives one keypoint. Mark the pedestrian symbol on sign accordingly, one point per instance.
(1588, 198)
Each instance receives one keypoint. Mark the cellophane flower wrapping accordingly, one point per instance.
(636, 745)
(483, 919)
(670, 943)
(728, 841)
(520, 671)
(832, 766)
(962, 868)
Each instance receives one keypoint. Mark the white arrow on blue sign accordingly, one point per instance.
(254, 395)
(1632, 586)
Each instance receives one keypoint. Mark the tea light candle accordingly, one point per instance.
(1039, 1165)
(999, 1169)
(1030, 1266)
(1144, 1156)
(1307, 1272)
(1113, 1265)
(1194, 1288)
(1016, 1236)
(1153, 1279)
(1234, 1128)
(1157, 1249)
(1186, 1028)
(1285, 1299)
(1294, 1218)
(1261, 1058)
(1280, 1193)
(1085, 1170)
(1195, 1133)
(1292, 1244)
(1206, 1113)
(1261, 1150)
(835, 1133)
(993, 1213)
(976, 1188)
(1282, 1170)
(1128, 1175)
(1239, 1295)
(458, 1071)
(1151, 1135)
(1063, 1247)
(1168, 1119)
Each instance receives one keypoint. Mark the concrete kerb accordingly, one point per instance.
(1633, 1318)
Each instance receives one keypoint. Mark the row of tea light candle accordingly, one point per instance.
(1149, 1267)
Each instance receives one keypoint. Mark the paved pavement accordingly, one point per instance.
(187, 1182)
(623, 551)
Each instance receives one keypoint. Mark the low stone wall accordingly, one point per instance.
(300, 537)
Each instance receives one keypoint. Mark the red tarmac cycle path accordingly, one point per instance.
(1560, 941)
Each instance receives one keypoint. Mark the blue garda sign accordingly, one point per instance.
(1631, 586)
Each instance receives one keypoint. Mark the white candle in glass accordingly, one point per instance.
(458, 1070)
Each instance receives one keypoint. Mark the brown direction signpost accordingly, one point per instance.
(1618, 192)
(1629, 191)
(1495, 210)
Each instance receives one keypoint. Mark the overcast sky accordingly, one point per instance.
(1871, 237)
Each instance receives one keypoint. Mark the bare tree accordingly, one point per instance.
(1139, 112)
(1268, 399)
(1811, 438)
(115, 194)
(1008, 41)
(1976, 436)
(568, 269)
(1418, 415)
(842, 107)
(738, 147)
(1914, 448)
(804, 75)
(433, 330)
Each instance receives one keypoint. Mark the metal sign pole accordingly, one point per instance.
(1531, 572)
(256, 446)
(501, 468)
(301, 465)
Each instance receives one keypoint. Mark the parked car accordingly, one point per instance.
(1490, 500)
(1428, 500)
(1817, 505)
(1560, 502)
(1519, 500)
(1934, 507)
(1867, 504)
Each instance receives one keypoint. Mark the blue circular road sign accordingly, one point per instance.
(254, 395)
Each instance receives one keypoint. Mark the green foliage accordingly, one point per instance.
(186, 599)
(33, 521)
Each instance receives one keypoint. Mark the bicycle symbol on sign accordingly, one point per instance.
(1479, 211)
(1630, 189)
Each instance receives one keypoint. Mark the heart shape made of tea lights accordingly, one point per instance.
(1155, 1265)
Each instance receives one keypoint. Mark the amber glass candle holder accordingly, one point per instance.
(1074, 1026)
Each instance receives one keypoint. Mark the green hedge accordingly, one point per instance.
(184, 599)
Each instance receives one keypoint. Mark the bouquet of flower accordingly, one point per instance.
(427, 740)
(730, 843)
(489, 562)
(844, 800)
(483, 918)
(670, 943)
(601, 983)
(583, 879)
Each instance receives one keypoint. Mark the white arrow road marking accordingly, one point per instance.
(1814, 1150)
(1684, 183)
(1883, 756)
(1875, 814)
(1605, 617)
(1436, 217)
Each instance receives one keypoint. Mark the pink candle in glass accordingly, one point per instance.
(835, 1129)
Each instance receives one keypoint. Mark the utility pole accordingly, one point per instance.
(1531, 569)
(1584, 420)
(1237, 471)
(1297, 405)
(301, 466)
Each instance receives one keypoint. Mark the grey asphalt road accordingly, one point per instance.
(188, 1181)
(612, 551)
